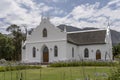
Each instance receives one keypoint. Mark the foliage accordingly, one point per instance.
(116, 50)
(10, 48)
(17, 40)
(80, 63)
(6, 47)
(20, 67)
(115, 75)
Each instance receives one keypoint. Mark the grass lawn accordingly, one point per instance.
(60, 73)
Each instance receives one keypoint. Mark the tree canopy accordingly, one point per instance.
(6, 47)
(18, 37)
(10, 47)
(116, 50)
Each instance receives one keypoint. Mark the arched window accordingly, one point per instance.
(98, 55)
(86, 53)
(44, 32)
(34, 52)
(72, 52)
(55, 51)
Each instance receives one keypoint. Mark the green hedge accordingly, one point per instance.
(12, 68)
(80, 63)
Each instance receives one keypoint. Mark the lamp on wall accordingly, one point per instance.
(92, 50)
(50, 49)
(37, 49)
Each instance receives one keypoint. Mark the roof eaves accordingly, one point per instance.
(85, 31)
(86, 44)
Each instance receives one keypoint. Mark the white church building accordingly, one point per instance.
(49, 43)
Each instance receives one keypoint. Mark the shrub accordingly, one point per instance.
(82, 63)
(13, 68)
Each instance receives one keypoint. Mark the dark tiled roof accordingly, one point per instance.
(115, 37)
(87, 38)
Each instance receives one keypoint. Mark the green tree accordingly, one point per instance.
(6, 47)
(18, 36)
(116, 50)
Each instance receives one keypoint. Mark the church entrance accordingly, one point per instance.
(45, 54)
(98, 55)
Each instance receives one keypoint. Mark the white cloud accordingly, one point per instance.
(84, 11)
(28, 3)
(14, 13)
(44, 8)
(93, 16)
(57, 11)
(5, 7)
(113, 2)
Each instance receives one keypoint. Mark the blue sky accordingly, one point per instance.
(79, 13)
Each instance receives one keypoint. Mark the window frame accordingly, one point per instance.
(86, 53)
(55, 51)
(44, 33)
(34, 52)
(72, 51)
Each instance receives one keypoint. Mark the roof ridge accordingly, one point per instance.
(85, 31)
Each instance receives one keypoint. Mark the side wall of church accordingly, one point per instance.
(92, 52)
(72, 51)
(79, 52)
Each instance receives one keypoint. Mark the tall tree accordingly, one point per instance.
(6, 47)
(17, 39)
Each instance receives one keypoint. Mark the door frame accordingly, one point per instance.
(45, 53)
(98, 55)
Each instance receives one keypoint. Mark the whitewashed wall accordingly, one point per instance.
(54, 37)
(39, 53)
(92, 51)
(79, 52)
(53, 32)
(23, 55)
(69, 51)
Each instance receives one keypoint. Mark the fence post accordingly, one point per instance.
(40, 74)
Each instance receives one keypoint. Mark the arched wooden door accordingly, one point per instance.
(45, 55)
(98, 55)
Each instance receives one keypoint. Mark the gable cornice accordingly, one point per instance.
(45, 41)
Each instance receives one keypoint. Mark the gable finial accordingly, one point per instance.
(108, 25)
